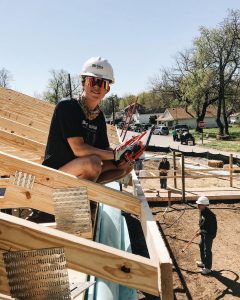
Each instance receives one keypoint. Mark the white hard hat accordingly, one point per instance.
(98, 67)
(203, 200)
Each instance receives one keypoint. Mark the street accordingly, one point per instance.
(167, 141)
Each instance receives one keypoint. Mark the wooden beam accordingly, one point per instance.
(156, 246)
(21, 142)
(231, 169)
(183, 176)
(18, 128)
(40, 197)
(174, 168)
(51, 178)
(191, 176)
(82, 255)
(28, 111)
(29, 121)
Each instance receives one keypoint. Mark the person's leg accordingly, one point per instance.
(88, 167)
(201, 247)
(161, 182)
(110, 172)
(164, 183)
(208, 252)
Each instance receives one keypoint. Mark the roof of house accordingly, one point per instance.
(235, 114)
(179, 113)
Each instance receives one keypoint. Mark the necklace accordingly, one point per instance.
(89, 113)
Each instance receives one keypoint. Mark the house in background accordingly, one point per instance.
(178, 115)
(235, 118)
(141, 114)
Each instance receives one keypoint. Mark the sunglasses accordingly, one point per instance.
(102, 83)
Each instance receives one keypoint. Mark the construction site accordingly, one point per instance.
(136, 244)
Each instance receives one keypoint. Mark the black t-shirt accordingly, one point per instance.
(69, 121)
(164, 165)
(208, 223)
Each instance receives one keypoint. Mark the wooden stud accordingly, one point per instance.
(156, 246)
(174, 168)
(231, 169)
(183, 177)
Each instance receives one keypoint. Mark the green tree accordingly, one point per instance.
(109, 103)
(220, 48)
(126, 100)
(58, 86)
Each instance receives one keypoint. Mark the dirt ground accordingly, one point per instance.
(179, 224)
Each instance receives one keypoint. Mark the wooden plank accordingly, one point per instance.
(28, 113)
(191, 176)
(48, 177)
(31, 112)
(21, 142)
(18, 100)
(4, 182)
(20, 153)
(40, 197)
(193, 195)
(156, 246)
(183, 177)
(231, 168)
(82, 255)
(18, 128)
(44, 126)
(174, 168)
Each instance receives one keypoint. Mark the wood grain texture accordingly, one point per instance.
(55, 179)
(23, 130)
(28, 121)
(82, 255)
(155, 243)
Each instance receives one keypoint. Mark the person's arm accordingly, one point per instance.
(81, 149)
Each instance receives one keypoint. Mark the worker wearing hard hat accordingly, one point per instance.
(163, 168)
(78, 142)
(208, 231)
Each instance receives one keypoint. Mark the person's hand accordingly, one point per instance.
(125, 165)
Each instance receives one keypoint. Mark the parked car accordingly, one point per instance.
(178, 130)
(120, 125)
(146, 126)
(187, 138)
(182, 127)
(161, 130)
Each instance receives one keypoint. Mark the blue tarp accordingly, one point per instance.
(112, 231)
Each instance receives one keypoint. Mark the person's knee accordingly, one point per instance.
(95, 167)
(96, 163)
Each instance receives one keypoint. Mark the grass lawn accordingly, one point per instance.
(211, 142)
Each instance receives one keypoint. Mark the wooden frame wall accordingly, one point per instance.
(152, 275)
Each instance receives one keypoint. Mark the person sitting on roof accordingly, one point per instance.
(78, 142)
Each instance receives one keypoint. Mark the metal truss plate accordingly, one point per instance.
(25, 180)
(37, 274)
(72, 210)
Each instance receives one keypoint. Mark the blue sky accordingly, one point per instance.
(137, 37)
